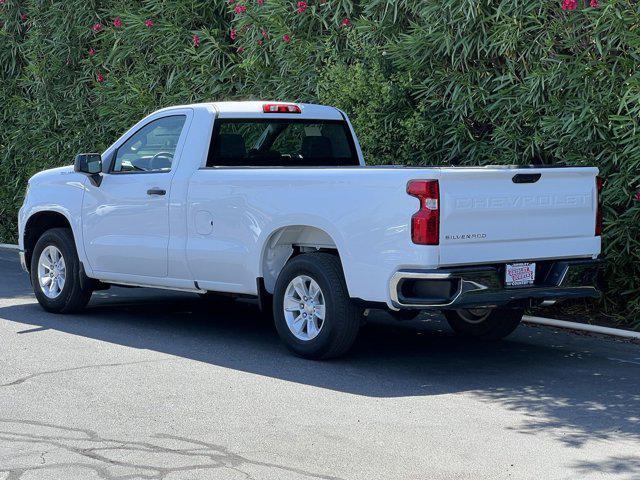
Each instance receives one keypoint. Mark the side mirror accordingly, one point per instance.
(90, 164)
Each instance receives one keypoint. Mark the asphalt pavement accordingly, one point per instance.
(151, 384)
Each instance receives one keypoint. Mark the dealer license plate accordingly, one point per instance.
(518, 274)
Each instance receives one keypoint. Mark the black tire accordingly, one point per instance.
(497, 324)
(76, 292)
(342, 317)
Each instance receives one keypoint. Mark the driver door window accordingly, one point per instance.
(152, 148)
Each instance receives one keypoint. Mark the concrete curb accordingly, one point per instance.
(9, 246)
(549, 322)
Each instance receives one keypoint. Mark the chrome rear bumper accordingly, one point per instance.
(483, 286)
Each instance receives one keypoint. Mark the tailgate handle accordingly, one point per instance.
(526, 177)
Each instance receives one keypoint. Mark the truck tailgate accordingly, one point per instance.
(498, 214)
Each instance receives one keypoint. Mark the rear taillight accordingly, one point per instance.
(280, 108)
(599, 183)
(425, 223)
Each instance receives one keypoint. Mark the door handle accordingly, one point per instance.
(156, 191)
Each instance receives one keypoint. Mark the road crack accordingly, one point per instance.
(200, 455)
(73, 369)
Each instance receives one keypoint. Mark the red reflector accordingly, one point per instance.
(599, 184)
(425, 223)
(281, 108)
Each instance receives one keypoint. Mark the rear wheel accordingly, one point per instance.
(313, 313)
(56, 274)
(485, 323)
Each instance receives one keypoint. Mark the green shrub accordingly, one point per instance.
(456, 82)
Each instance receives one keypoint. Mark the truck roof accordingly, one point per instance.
(244, 109)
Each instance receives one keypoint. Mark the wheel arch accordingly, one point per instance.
(38, 223)
(288, 241)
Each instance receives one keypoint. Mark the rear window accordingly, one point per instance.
(281, 143)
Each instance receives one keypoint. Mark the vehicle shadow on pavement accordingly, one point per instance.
(578, 388)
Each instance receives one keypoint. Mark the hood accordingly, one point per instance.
(50, 174)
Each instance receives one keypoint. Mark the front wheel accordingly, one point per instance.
(55, 273)
(485, 323)
(313, 313)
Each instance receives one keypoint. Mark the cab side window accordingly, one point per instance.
(152, 148)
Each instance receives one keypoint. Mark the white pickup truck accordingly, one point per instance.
(273, 200)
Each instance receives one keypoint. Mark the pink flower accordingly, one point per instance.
(286, 38)
(264, 33)
(233, 34)
(594, 4)
(117, 22)
(260, 42)
(346, 22)
(302, 6)
(24, 17)
(100, 77)
(148, 22)
(240, 9)
(231, 2)
(97, 27)
(260, 2)
(569, 4)
(92, 52)
(240, 49)
(2, 2)
(196, 41)
(637, 196)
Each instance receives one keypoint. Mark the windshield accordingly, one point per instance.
(281, 143)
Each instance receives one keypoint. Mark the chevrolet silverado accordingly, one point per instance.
(273, 200)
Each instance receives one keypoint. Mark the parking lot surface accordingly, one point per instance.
(150, 384)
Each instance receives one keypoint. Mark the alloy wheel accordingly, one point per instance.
(304, 307)
(52, 271)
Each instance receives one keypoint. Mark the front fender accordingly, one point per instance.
(63, 196)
